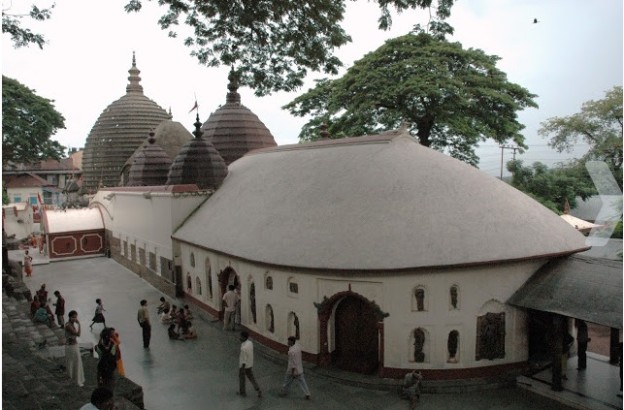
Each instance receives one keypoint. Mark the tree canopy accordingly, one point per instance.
(552, 186)
(449, 97)
(272, 43)
(599, 124)
(28, 122)
(12, 24)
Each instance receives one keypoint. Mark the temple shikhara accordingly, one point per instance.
(380, 255)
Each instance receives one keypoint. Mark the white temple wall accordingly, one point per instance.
(480, 290)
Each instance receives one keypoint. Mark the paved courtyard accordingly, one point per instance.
(202, 373)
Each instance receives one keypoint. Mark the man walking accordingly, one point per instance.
(294, 371)
(230, 298)
(59, 309)
(245, 364)
(144, 322)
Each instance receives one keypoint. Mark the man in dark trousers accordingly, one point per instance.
(59, 309)
(144, 322)
(245, 365)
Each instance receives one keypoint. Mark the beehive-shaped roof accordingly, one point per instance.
(118, 132)
(199, 163)
(150, 165)
(233, 129)
(381, 202)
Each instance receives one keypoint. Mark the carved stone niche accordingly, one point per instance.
(490, 336)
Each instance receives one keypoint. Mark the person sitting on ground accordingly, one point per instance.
(173, 335)
(101, 399)
(164, 306)
(43, 315)
(180, 320)
(167, 318)
(191, 333)
(34, 305)
(187, 313)
(411, 387)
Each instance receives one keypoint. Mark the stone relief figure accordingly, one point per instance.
(420, 299)
(252, 301)
(491, 336)
(419, 344)
(454, 297)
(453, 344)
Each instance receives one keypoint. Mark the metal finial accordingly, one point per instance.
(198, 132)
(152, 137)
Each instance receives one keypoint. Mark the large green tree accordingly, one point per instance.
(28, 122)
(451, 98)
(552, 187)
(599, 124)
(13, 25)
(272, 43)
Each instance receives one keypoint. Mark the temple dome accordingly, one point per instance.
(150, 165)
(381, 202)
(170, 136)
(118, 132)
(234, 130)
(199, 163)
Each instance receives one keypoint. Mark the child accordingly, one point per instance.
(99, 314)
(173, 335)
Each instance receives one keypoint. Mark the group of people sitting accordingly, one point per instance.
(39, 310)
(179, 320)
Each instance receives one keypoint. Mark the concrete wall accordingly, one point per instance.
(480, 290)
(19, 223)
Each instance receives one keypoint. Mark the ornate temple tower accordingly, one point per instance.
(118, 132)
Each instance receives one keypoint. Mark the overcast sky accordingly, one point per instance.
(573, 54)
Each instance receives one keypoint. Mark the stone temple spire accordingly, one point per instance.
(134, 78)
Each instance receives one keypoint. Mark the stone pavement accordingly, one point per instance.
(203, 373)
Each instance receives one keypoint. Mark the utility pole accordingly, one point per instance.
(504, 147)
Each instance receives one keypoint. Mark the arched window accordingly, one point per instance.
(454, 297)
(419, 302)
(268, 282)
(252, 300)
(208, 269)
(453, 346)
(192, 259)
(198, 287)
(269, 319)
(419, 345)
(189, 283)
(293, 325)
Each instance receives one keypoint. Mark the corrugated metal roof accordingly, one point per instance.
(584, 288)
(73, 220)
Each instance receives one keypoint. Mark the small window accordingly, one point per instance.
(189, 283)
(208, 269)
(419, 345)
(192, 259)
(419, 301)
(252, 300)
(268, 282)
(17, 199)
(293, 287)
(453, 346)
(198, 287)
(454, 297)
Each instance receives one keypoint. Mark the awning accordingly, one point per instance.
(580, 287)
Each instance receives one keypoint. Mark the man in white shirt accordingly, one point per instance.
(294, 371)
(245, 364)
(230, 299)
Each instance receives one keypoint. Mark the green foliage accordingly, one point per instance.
(552, 187)
(21, 37)
(617, 232)
(271, 43)
(5, 196)
(28, 122)
(450, 98)
(599, 124)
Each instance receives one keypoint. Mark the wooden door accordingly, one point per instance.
(357, 344)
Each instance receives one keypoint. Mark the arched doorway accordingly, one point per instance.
(356, 336)
(227, 276)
